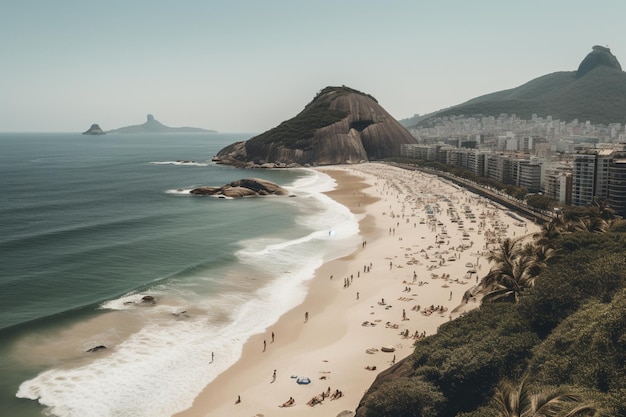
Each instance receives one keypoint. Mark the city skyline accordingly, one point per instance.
(246, 66)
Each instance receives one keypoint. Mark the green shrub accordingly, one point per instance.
(405, 397)
(467, 357)
(562, 288)
(588, 349)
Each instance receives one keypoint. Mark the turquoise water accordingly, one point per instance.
(90, 225)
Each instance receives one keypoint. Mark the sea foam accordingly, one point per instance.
(181, 163)
(160, 369)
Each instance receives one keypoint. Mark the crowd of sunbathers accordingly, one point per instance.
(416, 335)
(324, 395)
(434, 309)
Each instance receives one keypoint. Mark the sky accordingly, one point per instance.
(246, 66)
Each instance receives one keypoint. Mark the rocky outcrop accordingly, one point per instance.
(154, 126)
(242, 188)
(402, 369)
(599, 56)
(340, 126)
(94, 130)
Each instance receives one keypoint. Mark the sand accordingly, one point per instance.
(419, 271)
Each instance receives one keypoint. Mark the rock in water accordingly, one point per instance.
(242, 188)
(96, 348)
(94, 130)
(340, 126)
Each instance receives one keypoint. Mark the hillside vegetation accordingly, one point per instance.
(548, 339)
(599, 96)
(297, 132)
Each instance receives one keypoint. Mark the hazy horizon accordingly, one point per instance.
(244, 66)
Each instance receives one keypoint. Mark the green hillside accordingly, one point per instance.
(598, 96)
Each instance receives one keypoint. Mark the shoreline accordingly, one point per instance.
(326, 337)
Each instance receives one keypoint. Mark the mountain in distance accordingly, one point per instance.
(154, 126)
(339, 126)
(596, 92)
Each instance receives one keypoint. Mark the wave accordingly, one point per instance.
(159, 369)
(182, 163)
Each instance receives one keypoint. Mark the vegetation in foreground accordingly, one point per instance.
(548, 339)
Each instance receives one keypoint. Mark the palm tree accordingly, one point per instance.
(601, 208)
(540, 254)
(505, 254)
(591, 224)
(515, 269)
(550, 231)
(520, 401)
(507, 281)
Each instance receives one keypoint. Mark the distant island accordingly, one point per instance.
(154, 126)
(94, 130)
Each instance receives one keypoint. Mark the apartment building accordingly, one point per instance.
(583, 178)
(617, 184)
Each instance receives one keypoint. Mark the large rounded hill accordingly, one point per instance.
(595, 92)
(340, 126)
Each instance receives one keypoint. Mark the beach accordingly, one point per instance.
(424, 244)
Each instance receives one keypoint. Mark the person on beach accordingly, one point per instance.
(290, 402)
(306, 316)
(264, 345)
(274, 376)
(272, 337)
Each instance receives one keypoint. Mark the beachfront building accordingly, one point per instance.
(604, 158)
(420, 151)
(617, 184)
(595, 173)
(499, 167)
(529, 175)
(600, 174)
(558, 183)
(476, 162)
(583, 178)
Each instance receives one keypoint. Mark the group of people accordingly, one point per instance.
(325, 394)
(264, 343)
(347, 281)
(416, 335)
(434, 309)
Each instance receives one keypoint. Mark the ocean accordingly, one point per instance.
(89, 225)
